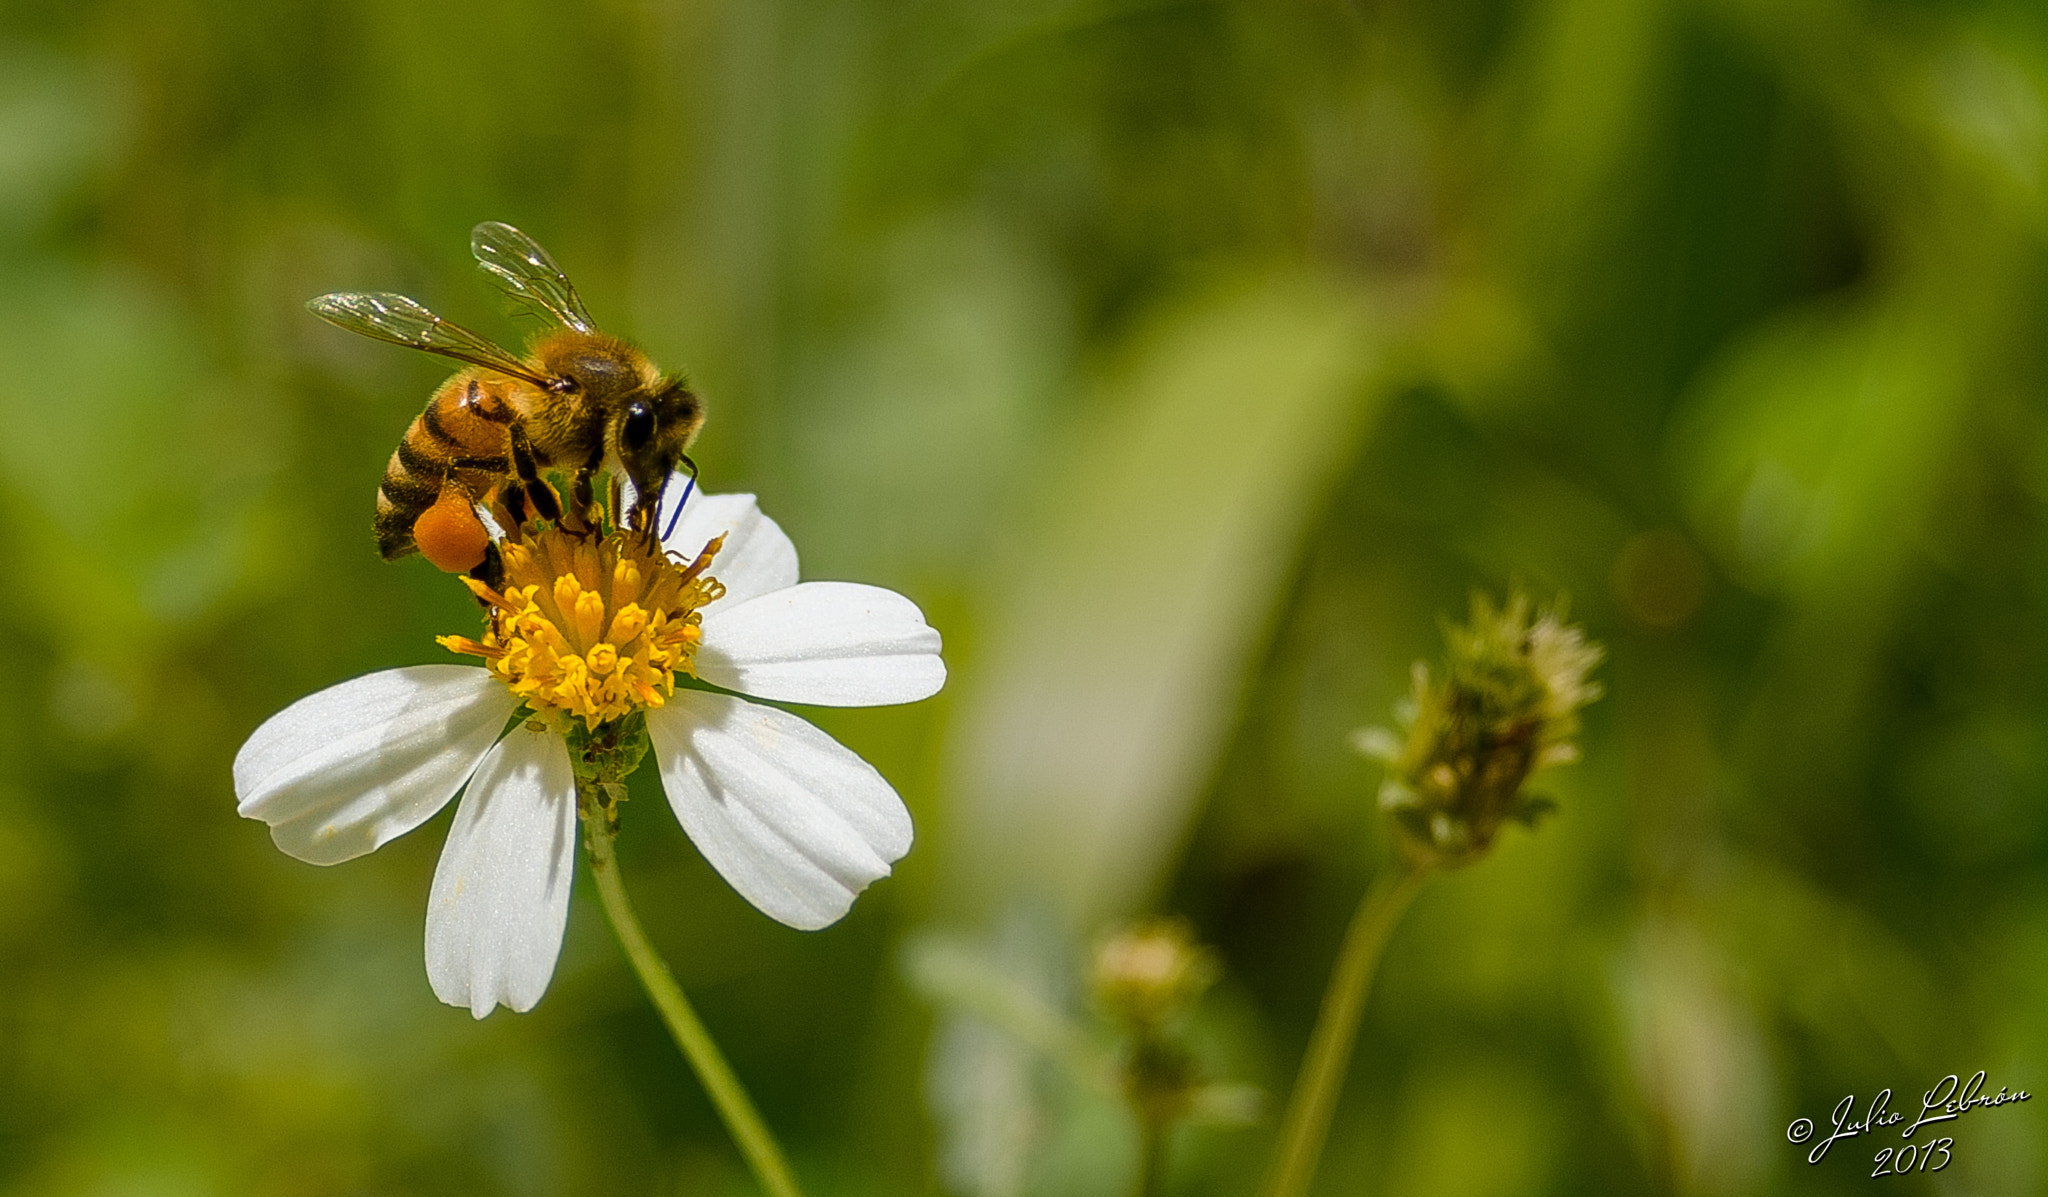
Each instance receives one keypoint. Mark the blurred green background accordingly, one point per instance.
(1185, 362)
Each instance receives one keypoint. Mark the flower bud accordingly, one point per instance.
(1145, 976)
(1150, 971)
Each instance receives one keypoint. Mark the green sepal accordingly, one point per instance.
(603, 758)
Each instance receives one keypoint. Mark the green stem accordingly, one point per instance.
(752, 1134)
(1329, 1048)
(1151, 1158)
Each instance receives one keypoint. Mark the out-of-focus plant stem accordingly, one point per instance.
(755, 1141)
(1151, 1158)
(1329, 1048)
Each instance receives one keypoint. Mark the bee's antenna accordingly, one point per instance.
(690, 486)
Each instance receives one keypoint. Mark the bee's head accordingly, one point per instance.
(652, 430)
(649, 418)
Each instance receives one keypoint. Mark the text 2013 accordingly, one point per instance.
(1898, 1161)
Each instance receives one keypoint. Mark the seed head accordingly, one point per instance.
(1505, 705)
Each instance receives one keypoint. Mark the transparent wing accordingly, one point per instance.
(518, 264)
(402, 321)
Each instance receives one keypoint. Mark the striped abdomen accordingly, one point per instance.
(460, 443)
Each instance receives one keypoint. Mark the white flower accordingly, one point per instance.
(796, 823)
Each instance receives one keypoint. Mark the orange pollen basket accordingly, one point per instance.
(594, 626)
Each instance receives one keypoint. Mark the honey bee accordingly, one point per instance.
(579, 400)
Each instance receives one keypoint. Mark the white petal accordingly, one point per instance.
(835, 644)
(343, 772)
(795, 822)
(501, 892)
(756, 557)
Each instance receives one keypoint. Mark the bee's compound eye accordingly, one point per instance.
(638, 428)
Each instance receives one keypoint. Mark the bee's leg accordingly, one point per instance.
(641, 517)
(546, 504)
(491, 570)
(584, 496)
(513, 500)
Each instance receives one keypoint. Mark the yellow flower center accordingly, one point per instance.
(593, 626)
